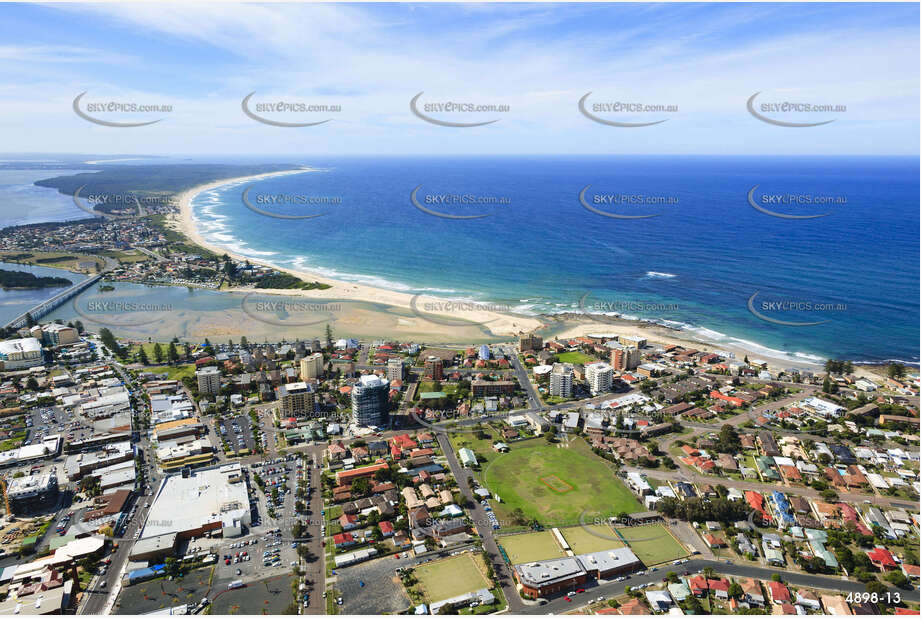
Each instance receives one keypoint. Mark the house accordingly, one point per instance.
(467, 457)
(779, 593)
(386, 528)
(808, 599)
(745, 545)
(336, 451)
(714, 541)
(911, 571)
(835, 605)
(726, 463)
(659, 600)
(679, 591)
(343, 539)
(348, 522)
(634, 607)
(752, 592)
(882, 559)
(698, 585)
(719, 588)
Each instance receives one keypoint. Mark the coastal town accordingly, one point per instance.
(601, 474)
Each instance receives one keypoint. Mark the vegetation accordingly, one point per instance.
(284, 281)
(704, 509)
(20, 280)
(584, 484)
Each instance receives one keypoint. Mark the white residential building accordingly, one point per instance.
(599, 376)
(561, 380)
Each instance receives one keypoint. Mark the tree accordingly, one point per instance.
(728, 440)
(172, 566)
(897, 578)
(172, 354)
(158, 353)
(896, 371)
(142, 356)
(361, 487)
(877, 587)
(109, 341)
(32, 384)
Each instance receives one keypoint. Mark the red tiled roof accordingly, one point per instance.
(779, 592)
(881, 556)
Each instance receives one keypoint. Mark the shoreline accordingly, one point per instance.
(498, 323)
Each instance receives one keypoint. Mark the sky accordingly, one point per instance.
(539, 60)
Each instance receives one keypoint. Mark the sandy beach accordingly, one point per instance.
(498, 323)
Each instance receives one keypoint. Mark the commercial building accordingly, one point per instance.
(561, 380)
(28, 494)
(80, 464)
(434, 368)
(369, 401)
(545, 577)
(209, 380)
(312, 366)
(297, 399)
(599, 376)
(114, 401)
(199, 501)
(20, 354)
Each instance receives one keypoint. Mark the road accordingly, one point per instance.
(696, 477)
(559, 605)
(97, 600)
(503, 574)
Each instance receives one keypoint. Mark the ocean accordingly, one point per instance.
(712, 261)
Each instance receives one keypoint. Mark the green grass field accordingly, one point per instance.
(576, 358)
(653, 544)
(516, 478)
(176, 372)
(531, 546)
(468, 439)
(582, 541)
(450, 577)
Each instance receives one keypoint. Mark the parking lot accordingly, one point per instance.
(374, 587)
(235, 430)
(271, 595)
(42, 422)
(158, 594)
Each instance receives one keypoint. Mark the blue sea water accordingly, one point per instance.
(695, 266)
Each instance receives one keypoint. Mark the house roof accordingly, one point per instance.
(779, 592)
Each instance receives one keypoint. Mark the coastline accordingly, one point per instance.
(498, 323)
